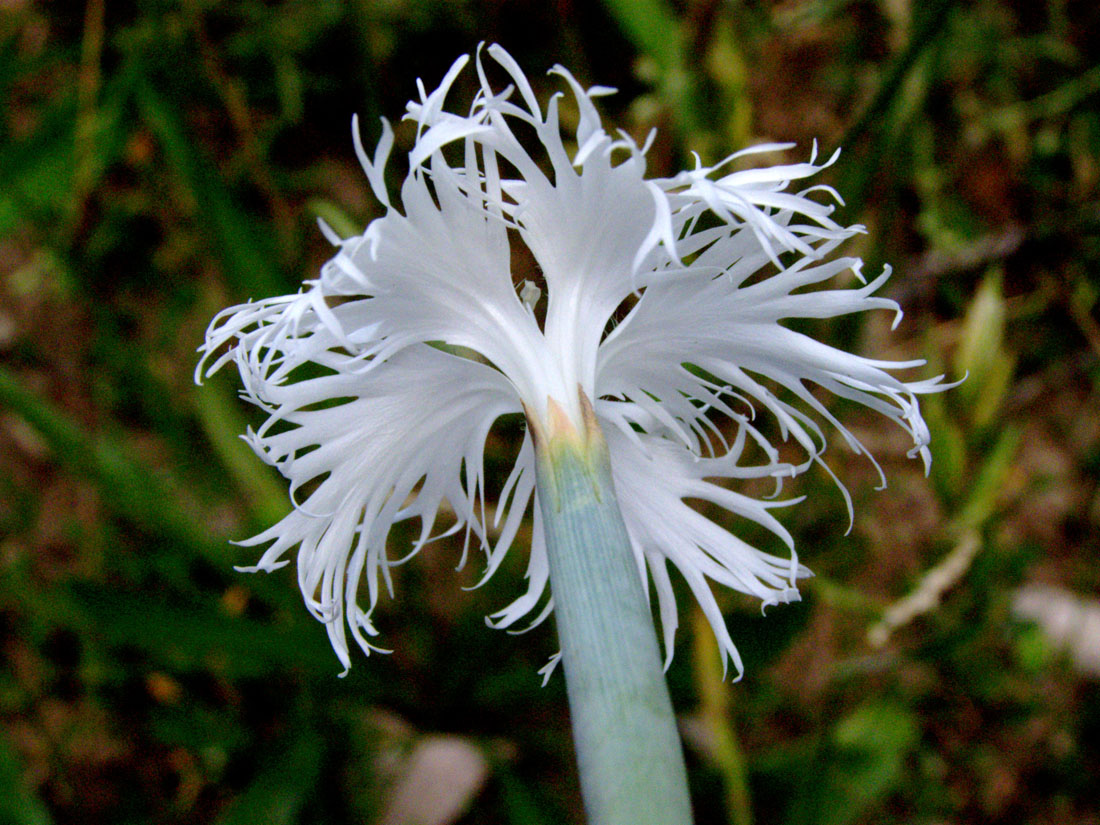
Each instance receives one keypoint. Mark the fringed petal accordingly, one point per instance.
(374, 418)
(376, 448)
(652, 479)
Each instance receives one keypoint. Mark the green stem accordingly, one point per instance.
(628, 748)
(715, 713)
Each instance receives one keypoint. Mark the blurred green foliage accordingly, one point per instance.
(160, 160)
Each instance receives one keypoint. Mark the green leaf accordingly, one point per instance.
(652, 27)
(872, 743)
(36, 174)
(223, 423)
(981, 355)
(990, 481)
(133, 490)
(285, 780)
(198, 634)
(654, 30)
(246, 255)
(518, 798)
(861, 763)
(884, 116)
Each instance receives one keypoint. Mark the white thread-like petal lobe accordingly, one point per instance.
(415, 424)
(651, 481)
(732, 331)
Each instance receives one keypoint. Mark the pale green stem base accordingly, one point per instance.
(628, 748)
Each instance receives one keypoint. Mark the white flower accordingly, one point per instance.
(665, 299)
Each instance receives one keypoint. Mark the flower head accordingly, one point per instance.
(664, 303)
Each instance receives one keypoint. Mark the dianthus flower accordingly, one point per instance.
(664, 317)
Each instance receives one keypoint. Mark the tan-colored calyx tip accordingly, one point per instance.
(559, 427)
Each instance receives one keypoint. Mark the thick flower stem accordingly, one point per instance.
(628, 749)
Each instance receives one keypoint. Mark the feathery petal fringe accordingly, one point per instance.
(380, 423)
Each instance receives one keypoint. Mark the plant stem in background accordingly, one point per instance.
(714, 699)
